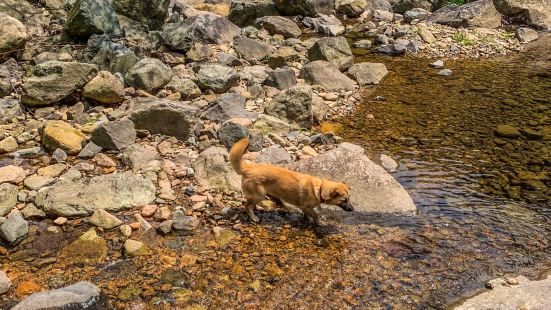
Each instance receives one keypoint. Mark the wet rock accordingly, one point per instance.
(180, 221)
(231, 132)
(334, 50)
(89, 17)
(9, 109)
(293, 105)
(8, 197)
(104, 88)
(352, 8)
(532, 133)
(36, 182)
(150, 12)
(391, 49)
(104, 219)
(115, 135)
(526, 295)
(250, 49)
(506, 131)
(187, 88)
(149, 74)
(305, 7)
(481, 13)
(279, 25)
(275, 155)
(388, 163)
(445, 72)
(52, 81)
(12, 174)
(223, 236)
(135, 248)
(125, 230)
(212, 170)
(281, 78)
(367, 73)
(15, 228)
(217, 78)
(89, 151)
(82, 295)
(533, 12)
(439, 64)
(111, 192)
(13, 34)
(244, 12)
(5, 282)
(327, 75)
(205, 28)
(59, 134)
(373, 189)
(526, 35)
(163, 117)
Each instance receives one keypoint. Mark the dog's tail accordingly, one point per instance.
(236, 154)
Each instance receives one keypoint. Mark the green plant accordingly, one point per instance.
(462, 38)
(456, 2)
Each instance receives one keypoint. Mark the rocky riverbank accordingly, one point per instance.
(116, 118)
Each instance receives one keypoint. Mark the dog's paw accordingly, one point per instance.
(254, 218)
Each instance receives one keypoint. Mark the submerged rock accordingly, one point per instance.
(373, 189)
(135, 248)
(112, 192)
(82, 295)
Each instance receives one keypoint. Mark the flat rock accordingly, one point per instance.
(373, 189)
(36, 182)
(115, 135)
(111, 192)
(327, 75)
(8, 198)
(212, 170)
(59, 134)
(12, 174)
(526, 295)
(367, 73)
(52, 81)
(163, 117)
(82, 295)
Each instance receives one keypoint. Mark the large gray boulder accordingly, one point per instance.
(218, 78)
(229, 105)
(8, 198)
(525, 295)
(252, 50)
(305, 7)
(334, 50)
(368, 73)
(13, 33)
(534, 12)
(115, 135)
(244, 12)
(150, 12)
(15, 228)
(163, 117)
(149, 74)
(293, 105)
(205, 28)
(9, 109)
(372, 188)
(327, 75)
(112, 192)
(52, 81)
(279, 25)
(481, 13)
(89, 17)
(82, 295)
(213, 170)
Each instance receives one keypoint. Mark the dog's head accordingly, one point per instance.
(337, 194)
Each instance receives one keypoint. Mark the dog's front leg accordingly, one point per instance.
(249, 206)
(312, 214)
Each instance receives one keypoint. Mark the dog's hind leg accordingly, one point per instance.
(254, 194)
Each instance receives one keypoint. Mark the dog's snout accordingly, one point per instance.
(346, 206)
